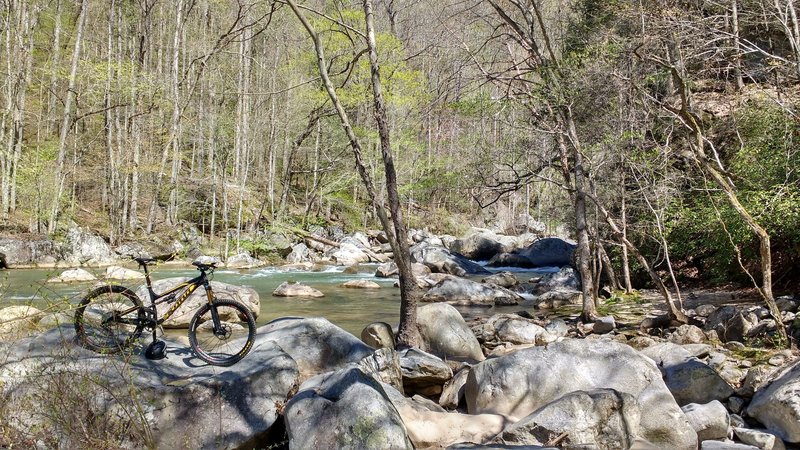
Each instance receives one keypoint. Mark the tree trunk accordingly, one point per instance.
(66, 125)
(408, 334)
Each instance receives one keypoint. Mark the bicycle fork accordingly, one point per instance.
(218, 330)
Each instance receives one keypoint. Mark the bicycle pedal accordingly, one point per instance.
(156, 350)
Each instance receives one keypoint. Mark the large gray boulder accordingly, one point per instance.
(600, 418)
(177, 402)
(85, 248)
(348, 254)
(689, 379)
(460, 291)
(528, 379)
(248, 297)
(300, 253)
(317, 345)
(442, 260)
(777, 405)
(344, 410)
(478, 246)
(243, 261)
(566, 279)
(26, 252)
(552, 252)
(445, 333)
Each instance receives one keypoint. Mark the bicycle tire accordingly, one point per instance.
(229, 345)
(95, 324)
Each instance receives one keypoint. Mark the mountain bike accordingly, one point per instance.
(111, 318)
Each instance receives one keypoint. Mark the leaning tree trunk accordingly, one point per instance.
(407, 332)
(372, 192)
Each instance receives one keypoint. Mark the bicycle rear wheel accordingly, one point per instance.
(228, 343)
(109, 319)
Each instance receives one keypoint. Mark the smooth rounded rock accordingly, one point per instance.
(73, 276)
(777, 405)
(710, 420)
(524, 381)
(287, 289)
(344, 410)
(378, 335)
(445, 333)
(361, 284)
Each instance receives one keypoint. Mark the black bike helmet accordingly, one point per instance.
(156, 350)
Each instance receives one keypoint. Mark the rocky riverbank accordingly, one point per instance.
(511, 380)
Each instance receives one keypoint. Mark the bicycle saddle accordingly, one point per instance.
(144, 260)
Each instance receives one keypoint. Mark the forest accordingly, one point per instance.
(659, 134)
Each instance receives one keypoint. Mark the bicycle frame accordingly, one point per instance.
(157, 299)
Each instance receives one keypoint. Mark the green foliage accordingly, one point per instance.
(765, 170)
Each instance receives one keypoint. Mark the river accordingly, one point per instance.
(351, 309)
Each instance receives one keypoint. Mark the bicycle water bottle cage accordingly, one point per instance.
(156, 350)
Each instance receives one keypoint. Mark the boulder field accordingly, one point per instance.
(504, 382)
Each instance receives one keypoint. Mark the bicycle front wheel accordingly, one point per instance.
(109, 319)
(226, 339)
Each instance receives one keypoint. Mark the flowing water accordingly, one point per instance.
(351, 309)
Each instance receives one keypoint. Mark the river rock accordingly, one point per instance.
(123, 397)
(288, 289)
(317, 345)
(378, 335)
(777, 405)
(300, 253)
(514, 329)
(522, 382)
(248, 297)
(756, 378)
(480, 246)
(423, 373)
(599, 419)
(566, 279)
(344, 410)
(83, 247)
(243, 261)
(727, 444)
(349, 254)
(687, 334)
(122, 273)
(445, 333)
(502, 279)
(453, 390)
(689, 379)
(763, 440)
(459, 291)
(709, 420)
(361, 284)
(603, 325)
(434, 428)
(558, 298)
(35, 251)
(18, 321)
(383, 365)
(549, 252)
(442, 260)
(389, 269)
(73, 276)
(731, 323)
